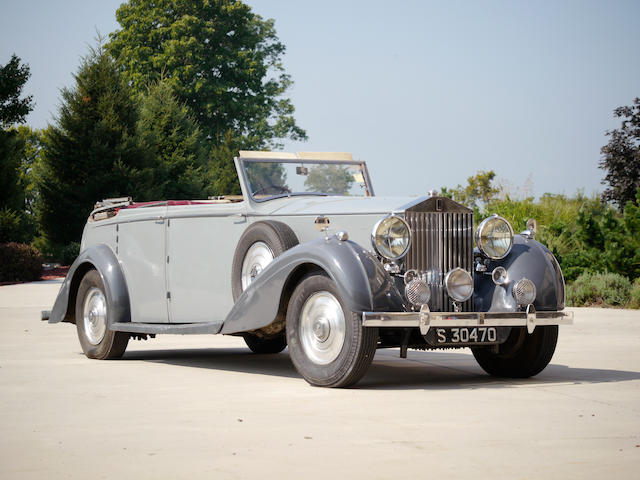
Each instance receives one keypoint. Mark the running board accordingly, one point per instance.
(168, 328)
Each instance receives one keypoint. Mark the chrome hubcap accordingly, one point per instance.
(322, 328)
(94, 316)
(257, 258)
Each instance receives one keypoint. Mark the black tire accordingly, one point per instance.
(278, 236)
(523, 355)
(266, 345)
(112, 344)
(355, 354)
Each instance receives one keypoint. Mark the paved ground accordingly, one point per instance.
(204, 407)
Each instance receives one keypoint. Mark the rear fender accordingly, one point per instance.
(363, 283)
(101, 258)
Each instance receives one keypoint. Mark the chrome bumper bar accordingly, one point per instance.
(426, 319)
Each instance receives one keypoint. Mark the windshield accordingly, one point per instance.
(268, 178)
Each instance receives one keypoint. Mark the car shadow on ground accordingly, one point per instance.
(422, 370)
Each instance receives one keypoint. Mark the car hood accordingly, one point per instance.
(334, 205)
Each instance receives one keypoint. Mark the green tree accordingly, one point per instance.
(14, 109)
(621, 157)
(30, 161)
(334, 179)
(221, 175)
(171, 141)
(11, 193)
(91, 151)
(15, 221)
(479, 190)
(223, 61)
(267, 178)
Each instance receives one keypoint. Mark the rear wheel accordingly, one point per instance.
(92, 321)
(327, 342)
(522, 355)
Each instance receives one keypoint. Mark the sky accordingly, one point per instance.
(428, 93)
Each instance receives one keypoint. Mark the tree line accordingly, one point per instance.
(157, 110)
(160, 108)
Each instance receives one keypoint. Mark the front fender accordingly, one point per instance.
(529, 259)
(101, 258)
(360, 278)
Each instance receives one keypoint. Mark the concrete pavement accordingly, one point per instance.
(205, 407)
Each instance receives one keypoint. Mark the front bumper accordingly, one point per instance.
(426, 319)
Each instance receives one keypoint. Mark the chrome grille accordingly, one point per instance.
(440, 242)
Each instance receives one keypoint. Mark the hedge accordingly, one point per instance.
(19, 262)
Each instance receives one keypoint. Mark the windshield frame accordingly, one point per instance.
(245, 177)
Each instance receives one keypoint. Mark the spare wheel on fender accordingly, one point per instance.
(260, 243)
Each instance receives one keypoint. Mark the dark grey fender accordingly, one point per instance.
(529, 259)
(102, 259)
(363, 284)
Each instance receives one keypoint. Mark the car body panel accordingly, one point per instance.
(363, 284)
(200, 244)
(142, 252)
(530, 259)
(103, 259)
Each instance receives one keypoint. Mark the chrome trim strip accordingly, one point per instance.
(426, 319)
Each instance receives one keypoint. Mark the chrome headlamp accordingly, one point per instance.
(494, 237)
(391, 237)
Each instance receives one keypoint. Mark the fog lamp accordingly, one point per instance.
(459, 284)
(524, 292)
(417, 292)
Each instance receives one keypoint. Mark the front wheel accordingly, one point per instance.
(327, 342)
(92, 321)
(523, 355)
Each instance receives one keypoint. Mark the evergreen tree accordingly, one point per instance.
(14, 109)
(91, 152)
(15, 223)
(171, 141)
(11, 147)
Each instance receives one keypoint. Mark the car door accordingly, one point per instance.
(201, 241)
(142, 253)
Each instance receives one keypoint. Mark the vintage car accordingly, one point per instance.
(307, 257)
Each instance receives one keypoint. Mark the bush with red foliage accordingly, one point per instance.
(19, 262)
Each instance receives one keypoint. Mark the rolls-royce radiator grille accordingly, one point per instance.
(440, 243)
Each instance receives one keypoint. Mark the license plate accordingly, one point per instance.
(439, 336)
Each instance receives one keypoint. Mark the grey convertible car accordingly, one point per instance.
(308, 257)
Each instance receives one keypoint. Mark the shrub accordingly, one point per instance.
(15, 226)
(604, 289)
(56, 253)
(69, 253)
(634, 301)
(19, 262)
